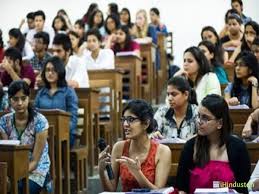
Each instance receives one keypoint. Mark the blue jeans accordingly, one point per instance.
(34, 188)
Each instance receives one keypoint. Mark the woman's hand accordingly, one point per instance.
(233, 101)
(104, 159)
(247, 132)
(156, 135)
(253, 80)
(133, 165)
(181, 72)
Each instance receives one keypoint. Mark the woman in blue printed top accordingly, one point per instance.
(30, 127)
(56, 94)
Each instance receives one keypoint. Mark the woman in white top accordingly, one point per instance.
(254, 179)
(98, 58)
(17, 40)
(197, 69)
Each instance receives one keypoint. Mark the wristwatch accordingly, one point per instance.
(255, 84)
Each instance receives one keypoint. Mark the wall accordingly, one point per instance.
(184, 17)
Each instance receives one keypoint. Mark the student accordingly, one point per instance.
(64, 14)
(98, 58)
(197, 70)
(30, 23)
(214, 154)
(233, 39)
(125, 18)
(113, 9)
(178, 118)
(39, 22)
(59, 25)
(141, 28)
(251, 32)
(13, 69)
(255, 48)
(225, 31)
(238, 5)
(31, 128)
(76, 73)
(112, 22)
(138, 161)
(77, 43)
(41, 42)
(124, 42)
(56, 94)
(96, 21)
(92, 7)
(17, 40)
(244, 88)
(79, 28)
(210, 34)
(155, 20)
(209, 51)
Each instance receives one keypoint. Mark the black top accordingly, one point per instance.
(238, 157)
(224, 39)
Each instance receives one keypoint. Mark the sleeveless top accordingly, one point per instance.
(214, 173)
(148, 168)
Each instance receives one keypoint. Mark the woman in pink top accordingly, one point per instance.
(138, 161)
(214, 156)
(124, 42)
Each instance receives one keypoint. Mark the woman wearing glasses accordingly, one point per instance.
(214, 155)
(56, 94)
(138, 161)
(30, 127)
(244, 88)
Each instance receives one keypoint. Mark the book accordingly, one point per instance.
(9, 142)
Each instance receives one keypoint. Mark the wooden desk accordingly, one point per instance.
(163, 71)
(149, 74)
(60, 122)
(114, 77)
(17, 158)
(3, 177)
(176, 149)
(88, 100)
(131, 65)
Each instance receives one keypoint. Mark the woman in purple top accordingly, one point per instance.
(124, 43)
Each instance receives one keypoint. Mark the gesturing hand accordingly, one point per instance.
(104, 159)
(133, 165)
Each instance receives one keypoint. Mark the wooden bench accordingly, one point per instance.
(17, 158)
(3, 177)
(149, 74)
(111, 79)
(163, 71)
(130, 65)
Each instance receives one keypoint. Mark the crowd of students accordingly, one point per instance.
(56, 59)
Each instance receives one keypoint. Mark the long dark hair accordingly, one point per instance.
(59, 68)
(91, 19)
(128, 39)
(255, 27)
(64, 27)
(202, 61)
(15, 87)
(92, 7)
(219, 49)
(219, 108)
(212, 49)
(129, 23)
(183, 85)
(16, 33)
(143, 111)
(251, 62)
